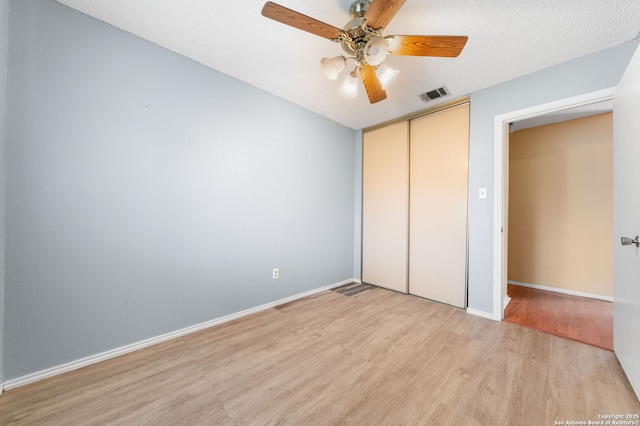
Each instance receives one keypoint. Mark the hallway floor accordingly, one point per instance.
(582, 319)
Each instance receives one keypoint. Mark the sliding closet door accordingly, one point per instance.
(385, 191)
(439, 166)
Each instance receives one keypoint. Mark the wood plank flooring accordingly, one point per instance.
(378, 358)
(582, 319)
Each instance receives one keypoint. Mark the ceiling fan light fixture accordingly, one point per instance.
(331, 67)
(386, 74)
(376, 50)
(349, 88)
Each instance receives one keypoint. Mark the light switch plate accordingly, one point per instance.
(482, 193)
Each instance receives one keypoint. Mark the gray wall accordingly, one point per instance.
(4, 21)
(583, 75)
(147, 193)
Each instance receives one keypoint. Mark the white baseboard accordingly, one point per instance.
(561, 290)
(74, 365)
(482, 314)
(506, 302)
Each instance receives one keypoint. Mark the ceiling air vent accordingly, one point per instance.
(434, 94)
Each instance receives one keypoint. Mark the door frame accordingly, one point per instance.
(499, 165)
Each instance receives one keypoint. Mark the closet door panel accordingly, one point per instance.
(385, 181)
(439, 152)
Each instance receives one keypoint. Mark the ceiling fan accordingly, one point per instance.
(362, 41)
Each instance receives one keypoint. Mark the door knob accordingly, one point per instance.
(626, 241)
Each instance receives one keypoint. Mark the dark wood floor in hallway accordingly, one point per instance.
(582, 319)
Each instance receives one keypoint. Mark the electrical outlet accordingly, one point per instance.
(276, 273)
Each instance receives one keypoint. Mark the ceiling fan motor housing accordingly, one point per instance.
(357, 32)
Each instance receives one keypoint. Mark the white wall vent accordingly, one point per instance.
(434, 94)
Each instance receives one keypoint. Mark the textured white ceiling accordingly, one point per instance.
(507, 39)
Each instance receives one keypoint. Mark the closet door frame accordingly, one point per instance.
(406, 119)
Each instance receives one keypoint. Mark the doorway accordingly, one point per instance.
(500, 225)
(560, 222)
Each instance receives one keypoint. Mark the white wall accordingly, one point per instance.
(147, 193)
(583, 75)
(4, 25)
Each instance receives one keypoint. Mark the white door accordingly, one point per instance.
(626, 222)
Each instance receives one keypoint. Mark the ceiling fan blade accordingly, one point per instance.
(381, 12)
(444, 46)
(372, 84)
(298, 20)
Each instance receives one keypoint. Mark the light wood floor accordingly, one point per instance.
(582, 319)
(375, 358)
